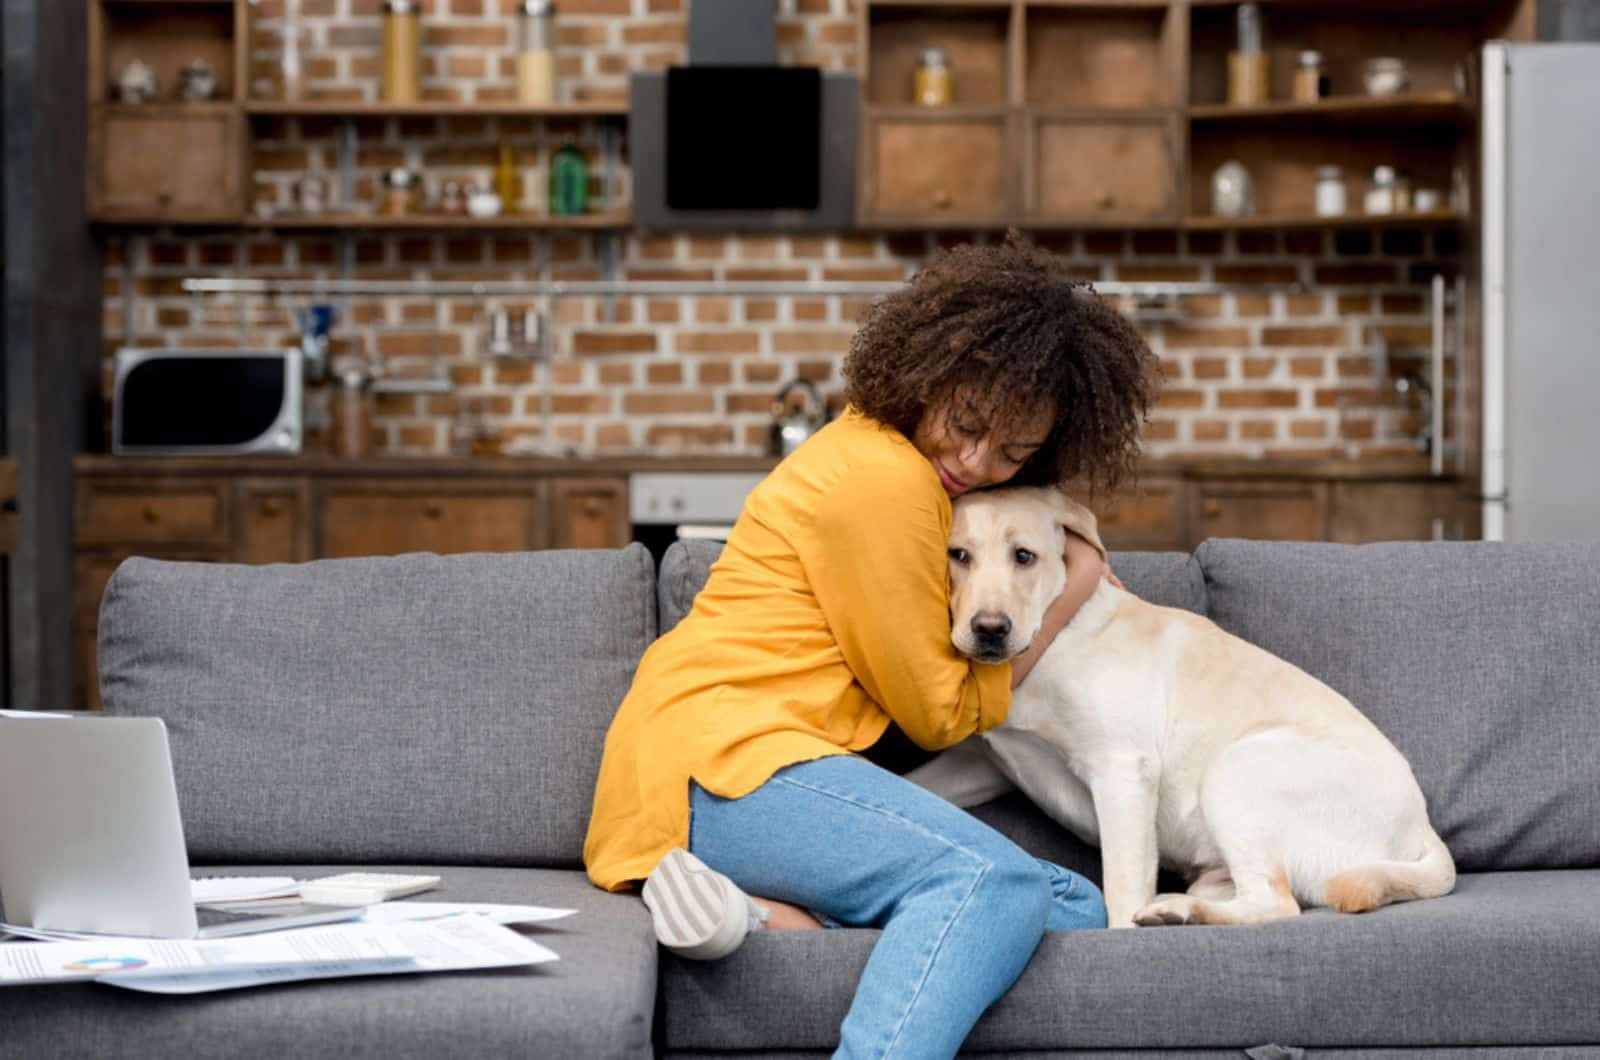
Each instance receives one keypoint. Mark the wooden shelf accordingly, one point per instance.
(347, 108)
(1407, 109)
(1432, 218)
(606, 219)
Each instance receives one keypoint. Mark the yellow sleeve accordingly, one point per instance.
(875, 556)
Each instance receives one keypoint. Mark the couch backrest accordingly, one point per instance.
(1172, 579)
(1481, 661)
(415, 708)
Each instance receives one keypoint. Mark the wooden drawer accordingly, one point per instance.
(1268, 511)
(1103, 170)
(1148, 517)
(439, 517)
(160, 159)
(938, 169)
(120, 512)
(589, 513)
(1393, 511)
(273, 518)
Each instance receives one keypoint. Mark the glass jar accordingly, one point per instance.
(932, 80)
(536, 52)
(1402, 193)
(352, 414)
(289, 64)
(402, 50)
(401, 188)
(1232, 191)
(1331, 197)
(1308, 78)
(569, 181)
(1380, 194)
(505, 179)
(1385, 76)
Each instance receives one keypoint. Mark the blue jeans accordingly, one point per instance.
(962, 908)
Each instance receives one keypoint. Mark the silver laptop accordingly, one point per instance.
(91, 840)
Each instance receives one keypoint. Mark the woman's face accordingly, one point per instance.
(968, 456)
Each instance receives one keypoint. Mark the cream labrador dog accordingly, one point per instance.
(1155, 734)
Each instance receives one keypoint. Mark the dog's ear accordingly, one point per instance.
(1075, 517)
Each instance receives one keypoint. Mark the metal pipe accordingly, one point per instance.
(1436, 371)
(643, 288)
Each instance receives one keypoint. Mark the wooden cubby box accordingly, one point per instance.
(168, 159)
(1086, 170)
(1092, 56)
(950, 165)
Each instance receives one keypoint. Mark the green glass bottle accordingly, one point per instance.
(569, 181)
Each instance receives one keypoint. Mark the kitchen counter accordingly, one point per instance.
(325, 465)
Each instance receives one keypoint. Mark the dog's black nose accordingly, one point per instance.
(990, 626)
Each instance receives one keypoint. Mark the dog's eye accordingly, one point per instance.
(1023, 557)
(958, 555)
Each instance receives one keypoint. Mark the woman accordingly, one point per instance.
(735, 765)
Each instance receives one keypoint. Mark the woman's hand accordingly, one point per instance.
(1085, 568)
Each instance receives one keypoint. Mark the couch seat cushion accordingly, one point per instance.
(596, 1001)
(1509, 958)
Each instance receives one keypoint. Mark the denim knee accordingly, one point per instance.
(1020, 893)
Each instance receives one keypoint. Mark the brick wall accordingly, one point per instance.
(1247, 373)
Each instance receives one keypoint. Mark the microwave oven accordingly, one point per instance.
(207, 401)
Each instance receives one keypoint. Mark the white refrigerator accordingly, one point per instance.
(1530, 380)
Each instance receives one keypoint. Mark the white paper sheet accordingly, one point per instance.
(396, 912)
(42, 962)
(242, 888)
(450, 944)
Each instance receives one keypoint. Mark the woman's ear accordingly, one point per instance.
(1075, 518)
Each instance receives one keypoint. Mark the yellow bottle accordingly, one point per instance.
(505, 179)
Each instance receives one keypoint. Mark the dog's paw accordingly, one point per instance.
(1166, 910)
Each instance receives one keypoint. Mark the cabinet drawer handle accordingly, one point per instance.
(165, 198)
(941, 200)
(271, 506)
(1212, 507)
(592, 507)
(1106, 200)
(150, 514)
(432, 509)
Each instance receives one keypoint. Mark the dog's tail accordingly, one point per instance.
(1369, 886)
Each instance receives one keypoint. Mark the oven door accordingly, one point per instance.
(664, 507)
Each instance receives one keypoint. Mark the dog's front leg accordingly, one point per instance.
(964, 775)
(1125, 792)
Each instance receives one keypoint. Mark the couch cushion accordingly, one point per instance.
(596, 1001)
(447, 709)
(1506, 959)
(1172, 579)
(1481, 662)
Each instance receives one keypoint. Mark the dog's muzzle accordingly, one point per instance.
(989, 632)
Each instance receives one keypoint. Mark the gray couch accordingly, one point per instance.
(450, 712)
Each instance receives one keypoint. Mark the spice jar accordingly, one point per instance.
(400, 190)
(1331, 198)
(1402, 193)
(1380, 195)
(505, 179)
(1232, 191)
(536, 52)
(352, 414)
(931, 81)
(402, 50)
(1308, 78)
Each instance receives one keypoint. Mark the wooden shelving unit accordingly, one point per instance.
(170, 162)
(598, 220)
(332, 108)
(1113, 113)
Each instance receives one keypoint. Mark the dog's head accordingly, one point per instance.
(1007, 564)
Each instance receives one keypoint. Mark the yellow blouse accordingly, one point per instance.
(827, 614)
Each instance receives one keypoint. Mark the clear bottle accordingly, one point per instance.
(569, 181)
(1380, 194)
(1308, 77)
(505, 179)
(536, 52)
(1332, 198)
(402, 51)
(289, 63)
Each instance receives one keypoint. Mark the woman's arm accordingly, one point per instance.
(1085, 568)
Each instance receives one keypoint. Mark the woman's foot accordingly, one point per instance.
(781, 916)
(698, 912)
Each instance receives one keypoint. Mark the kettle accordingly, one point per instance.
(794, 419)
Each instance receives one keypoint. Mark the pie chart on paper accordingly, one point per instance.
(106, 964)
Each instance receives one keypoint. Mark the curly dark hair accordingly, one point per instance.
(997, 328)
